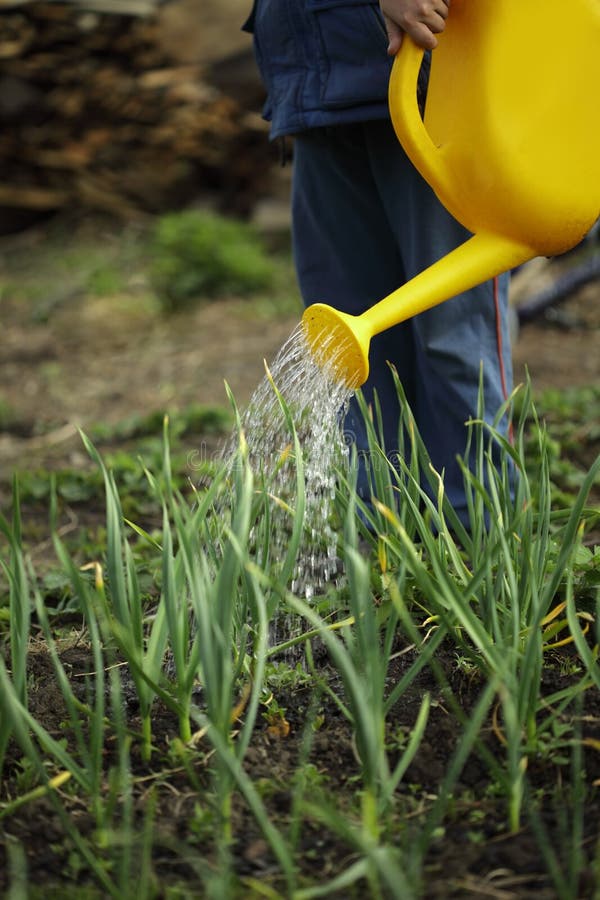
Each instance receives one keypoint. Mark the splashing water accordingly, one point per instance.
(316, 401)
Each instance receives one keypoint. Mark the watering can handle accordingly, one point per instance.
(406, 116)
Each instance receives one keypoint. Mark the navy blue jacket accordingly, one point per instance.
(323, 62)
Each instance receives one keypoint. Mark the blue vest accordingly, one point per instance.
(323, 62)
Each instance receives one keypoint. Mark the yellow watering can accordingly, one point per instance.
(510, 144)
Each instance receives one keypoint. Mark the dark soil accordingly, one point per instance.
(474, 855)
(107, 358)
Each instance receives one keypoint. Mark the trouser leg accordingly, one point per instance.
(347, 256)
(455, 341)
(364, 222)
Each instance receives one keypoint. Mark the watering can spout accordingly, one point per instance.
(341, 341)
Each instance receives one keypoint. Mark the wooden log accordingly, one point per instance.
(24, 197)
(101, 114)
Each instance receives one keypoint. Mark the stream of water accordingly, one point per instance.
(316, 401)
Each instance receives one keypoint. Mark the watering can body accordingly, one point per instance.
(511, 137)
(510, 143)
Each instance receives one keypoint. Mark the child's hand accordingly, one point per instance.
(421, 19)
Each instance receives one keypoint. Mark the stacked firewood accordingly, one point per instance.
(95, 113)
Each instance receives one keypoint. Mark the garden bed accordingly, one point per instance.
(87, 345)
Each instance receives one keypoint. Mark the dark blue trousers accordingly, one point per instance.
(364, 222)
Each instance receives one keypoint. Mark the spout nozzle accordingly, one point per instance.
(338, 342)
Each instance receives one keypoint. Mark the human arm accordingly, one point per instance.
(421, 19)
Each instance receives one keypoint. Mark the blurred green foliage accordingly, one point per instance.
(7, 413)
(198, 254)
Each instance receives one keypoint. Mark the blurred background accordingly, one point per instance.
(131, 135)
(128, 106)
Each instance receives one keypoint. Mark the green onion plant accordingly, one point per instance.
(491, 581)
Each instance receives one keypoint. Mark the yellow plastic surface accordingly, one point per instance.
(510, 144)
(338, 341)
